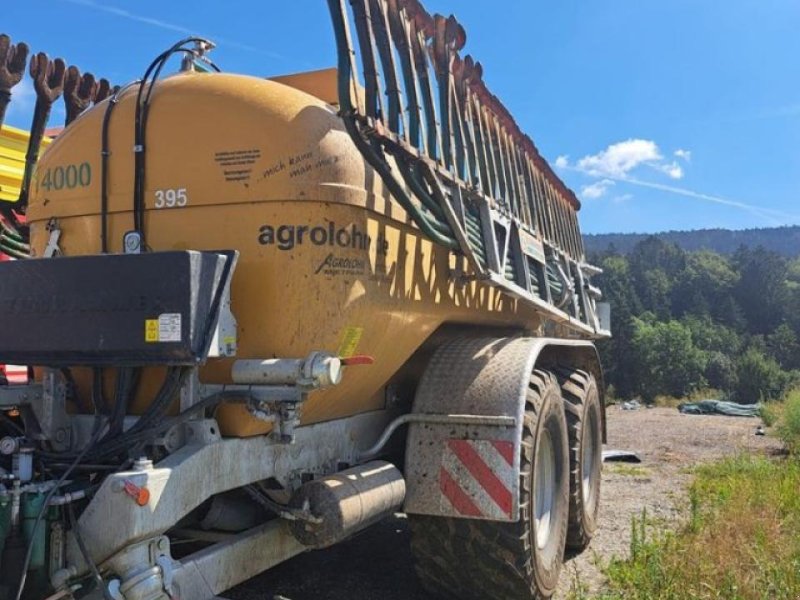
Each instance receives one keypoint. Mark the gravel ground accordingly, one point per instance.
(377, 565)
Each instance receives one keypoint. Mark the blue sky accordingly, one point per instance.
(668, 114)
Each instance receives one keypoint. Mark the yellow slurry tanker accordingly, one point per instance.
(261, 315)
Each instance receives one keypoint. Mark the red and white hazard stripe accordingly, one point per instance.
(477, 479)
(15, 374)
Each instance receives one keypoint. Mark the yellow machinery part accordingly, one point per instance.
(13, 146)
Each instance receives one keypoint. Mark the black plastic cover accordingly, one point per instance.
(111, 310)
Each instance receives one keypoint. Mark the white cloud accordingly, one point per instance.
(683, 154)
(771, 216)
(616, 163)
(673, 170)
(619, 159)
(596, 190)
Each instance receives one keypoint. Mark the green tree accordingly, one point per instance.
(654, 267)
(784, 347)
(759, 377)
(762, 290)
(665, 359)
(703, 287)
(794, 272)
(720, 372)
(710, 335)
(616, 353)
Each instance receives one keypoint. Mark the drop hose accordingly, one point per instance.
(436, 230)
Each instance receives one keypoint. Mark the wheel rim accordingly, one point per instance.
(589, 460)
(545, 482)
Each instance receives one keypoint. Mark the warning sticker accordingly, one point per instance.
(151, 330)
(166, 328)
(169, 327)
(350, 339)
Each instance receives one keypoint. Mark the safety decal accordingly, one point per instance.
(350, 339)
(166, 328)
(477, 477)
(151, 330)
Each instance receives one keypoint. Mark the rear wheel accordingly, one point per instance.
(488, 560)
(584, 420)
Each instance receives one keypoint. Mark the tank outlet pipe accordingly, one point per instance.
(347, 502)
(318, 370)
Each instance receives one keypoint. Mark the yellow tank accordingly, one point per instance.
(328, 261)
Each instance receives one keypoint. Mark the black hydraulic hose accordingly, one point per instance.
(155, 413)
(109, 446)
(166, 394)
(140, 123)
(72, 392)
(409, 176)
(125, 390)
(98, 398)
(375, 161)
(41, 114)
(85, 552)
(147, 435)
(104, 155)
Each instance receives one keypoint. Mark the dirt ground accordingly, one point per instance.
(377, 565)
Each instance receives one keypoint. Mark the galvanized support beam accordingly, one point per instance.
(209, 572)
(184, 480)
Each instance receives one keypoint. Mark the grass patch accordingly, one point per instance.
(740, 542)
(628, 470)
(770, 413)
(789, 423)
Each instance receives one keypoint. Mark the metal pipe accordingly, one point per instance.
(319, 369)
(67, 498)
(431, 419)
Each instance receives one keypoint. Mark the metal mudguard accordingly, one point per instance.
(472, 471)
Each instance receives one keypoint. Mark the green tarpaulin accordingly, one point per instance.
(718, 407)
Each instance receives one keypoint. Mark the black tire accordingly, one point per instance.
(584, 420)
(487, 560)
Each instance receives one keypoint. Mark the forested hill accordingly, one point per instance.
(783, 240)
(685, 320)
